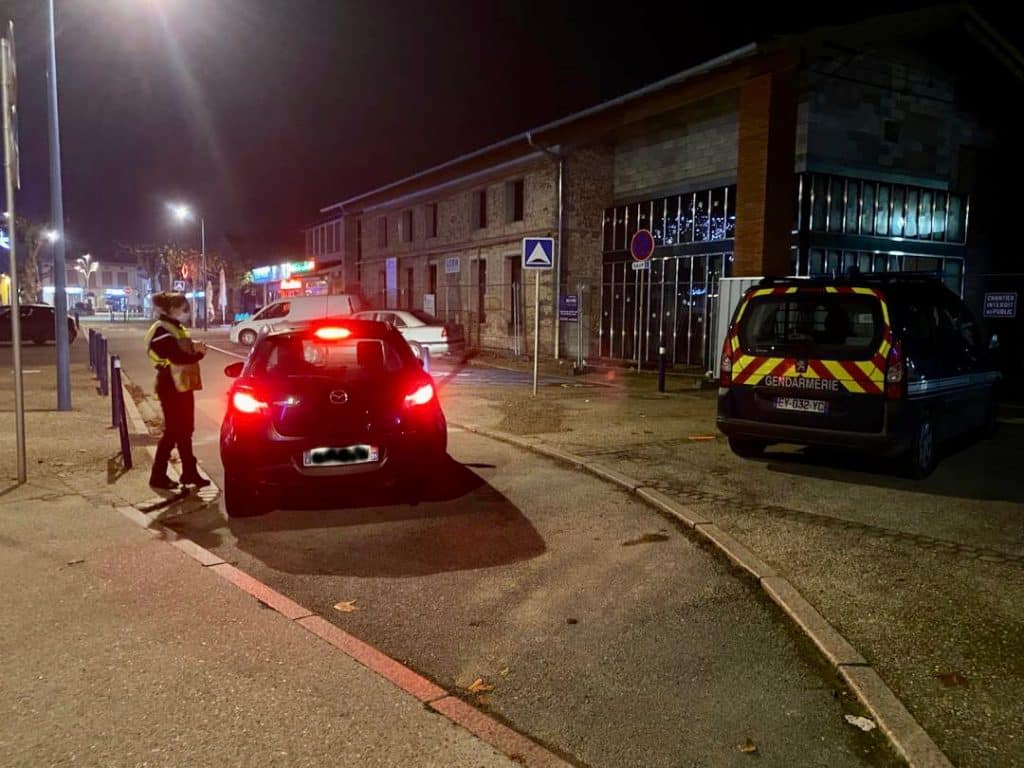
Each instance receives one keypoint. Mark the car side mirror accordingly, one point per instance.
(234, 370)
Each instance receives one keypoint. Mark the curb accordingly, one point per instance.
(905, 734)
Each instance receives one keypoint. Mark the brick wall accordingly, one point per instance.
(852, 102)
(686, 147)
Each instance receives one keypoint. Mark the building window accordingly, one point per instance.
(432, 220)
(406, 226)
(408, 287)
(708, 215)
(382, 232)
(481, 290)
(480, 209)
(122, 278)
(309, 242)
(432, 278)
(514, 200)
(337, 235)
(108, 278)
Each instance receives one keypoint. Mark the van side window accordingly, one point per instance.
(961, 323)
(275, 310)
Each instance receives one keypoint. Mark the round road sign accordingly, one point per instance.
(642, 245)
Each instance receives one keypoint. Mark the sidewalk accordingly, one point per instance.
(926, 580)
(119, 650)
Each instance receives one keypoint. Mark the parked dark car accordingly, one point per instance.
(38, 324)
(892, 364)
(341, 403)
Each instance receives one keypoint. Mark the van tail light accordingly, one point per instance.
(420, 396)
(725, 367)
(246, 401)
(895, 373)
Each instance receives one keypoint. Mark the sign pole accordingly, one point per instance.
(536, 327)
(6, 74)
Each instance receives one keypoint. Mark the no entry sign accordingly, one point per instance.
(642, 245)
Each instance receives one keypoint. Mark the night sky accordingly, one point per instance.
(259, 112)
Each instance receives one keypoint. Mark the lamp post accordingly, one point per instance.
(183, 213)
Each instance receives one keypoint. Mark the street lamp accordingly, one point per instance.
(51, 236)
(184, 213)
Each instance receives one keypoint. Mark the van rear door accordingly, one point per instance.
(811, 357)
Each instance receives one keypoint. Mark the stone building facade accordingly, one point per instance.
(848, 147)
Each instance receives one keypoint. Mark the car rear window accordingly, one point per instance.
(817, 325)
(423, 317)
(344, 359)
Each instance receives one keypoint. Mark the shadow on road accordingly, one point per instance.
(456, 522)
(969, 468)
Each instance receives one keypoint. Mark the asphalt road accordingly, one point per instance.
(607, 632)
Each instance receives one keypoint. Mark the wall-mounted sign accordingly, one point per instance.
(1001, 305)
(452, 265)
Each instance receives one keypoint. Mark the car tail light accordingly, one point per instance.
(444, 332)
(895, 373)
(421, 396)
(244, 401)
(725, 367)
(332, 333)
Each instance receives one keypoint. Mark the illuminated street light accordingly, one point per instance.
(52, 236)
(183, 213)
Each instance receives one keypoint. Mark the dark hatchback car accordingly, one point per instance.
(892, 364)
(38, 324)
(339, 402)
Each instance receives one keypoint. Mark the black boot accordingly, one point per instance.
(163, 483)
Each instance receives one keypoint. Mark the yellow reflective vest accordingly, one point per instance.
(185, 376)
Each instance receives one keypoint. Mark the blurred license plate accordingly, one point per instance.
(800, 404)
(332, 457)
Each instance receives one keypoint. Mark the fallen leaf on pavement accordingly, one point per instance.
(861, 722)
(700, 438)
(479, 686)
(75, 562)
(747, 747)
(346, 606)
(953, 679)
(504, 672)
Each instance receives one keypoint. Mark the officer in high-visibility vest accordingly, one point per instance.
(176, 358)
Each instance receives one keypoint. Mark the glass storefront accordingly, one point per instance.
(670, 304)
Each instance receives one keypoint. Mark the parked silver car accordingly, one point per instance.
(438, 337)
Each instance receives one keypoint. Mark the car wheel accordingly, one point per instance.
(920, 459)
(747, 449)
(247, 337)
(241, 498)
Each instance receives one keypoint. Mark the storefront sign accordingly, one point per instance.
(284, 271)
(569, 308)
(1001, 305)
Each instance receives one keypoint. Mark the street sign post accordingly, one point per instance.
(641, 246)
(12, 182)
(538, 255)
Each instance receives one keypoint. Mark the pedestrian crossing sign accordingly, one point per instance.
(538, 252)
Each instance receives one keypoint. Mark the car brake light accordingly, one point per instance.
(332, 333)
(444, 332)
(246, 402)
(725, 367)
(421, 396)
(895, 375)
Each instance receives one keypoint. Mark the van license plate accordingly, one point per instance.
(800, 404)
(334, 457)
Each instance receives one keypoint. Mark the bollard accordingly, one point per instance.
(102, 367)
(115, 391)
(661, 369)
(122, 420)
(92, 350)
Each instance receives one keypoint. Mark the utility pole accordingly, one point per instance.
(60, 294)
(12, 180)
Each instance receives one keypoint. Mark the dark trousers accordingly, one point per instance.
(179, 422)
